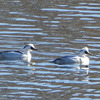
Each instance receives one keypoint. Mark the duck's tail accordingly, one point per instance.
(57, 61)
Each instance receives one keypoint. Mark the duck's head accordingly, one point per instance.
(29, 47)
(84, 51)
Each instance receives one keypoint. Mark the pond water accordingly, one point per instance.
(57, 28)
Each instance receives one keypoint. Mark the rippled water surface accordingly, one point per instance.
(57, 28)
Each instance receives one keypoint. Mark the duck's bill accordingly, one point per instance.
(90, 54)
(34, 48)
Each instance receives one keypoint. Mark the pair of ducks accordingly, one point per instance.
(25, 54)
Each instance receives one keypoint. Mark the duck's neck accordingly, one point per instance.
(82, 55)
(27, 55)
(27, 52)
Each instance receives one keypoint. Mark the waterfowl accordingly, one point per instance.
(71, 59)
(24, 54)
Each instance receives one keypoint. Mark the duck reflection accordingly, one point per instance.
(77, 67)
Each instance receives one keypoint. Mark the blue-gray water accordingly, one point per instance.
(57, 28)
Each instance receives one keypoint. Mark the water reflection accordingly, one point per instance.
(58, 28)
(77, 66)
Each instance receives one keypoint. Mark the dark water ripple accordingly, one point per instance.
(57, 29)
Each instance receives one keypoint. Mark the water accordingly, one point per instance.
(56, 28)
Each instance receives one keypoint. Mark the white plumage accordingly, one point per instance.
(13, 55)
(81, 58)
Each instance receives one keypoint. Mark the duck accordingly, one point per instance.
(81, 58)
(23, 54)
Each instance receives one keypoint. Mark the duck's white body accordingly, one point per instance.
(81, 58)
(13, 55)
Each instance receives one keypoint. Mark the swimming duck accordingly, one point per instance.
(12, 55)
(71, 59)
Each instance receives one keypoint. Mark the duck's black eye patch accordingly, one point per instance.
(86, 52)
(34, 48)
